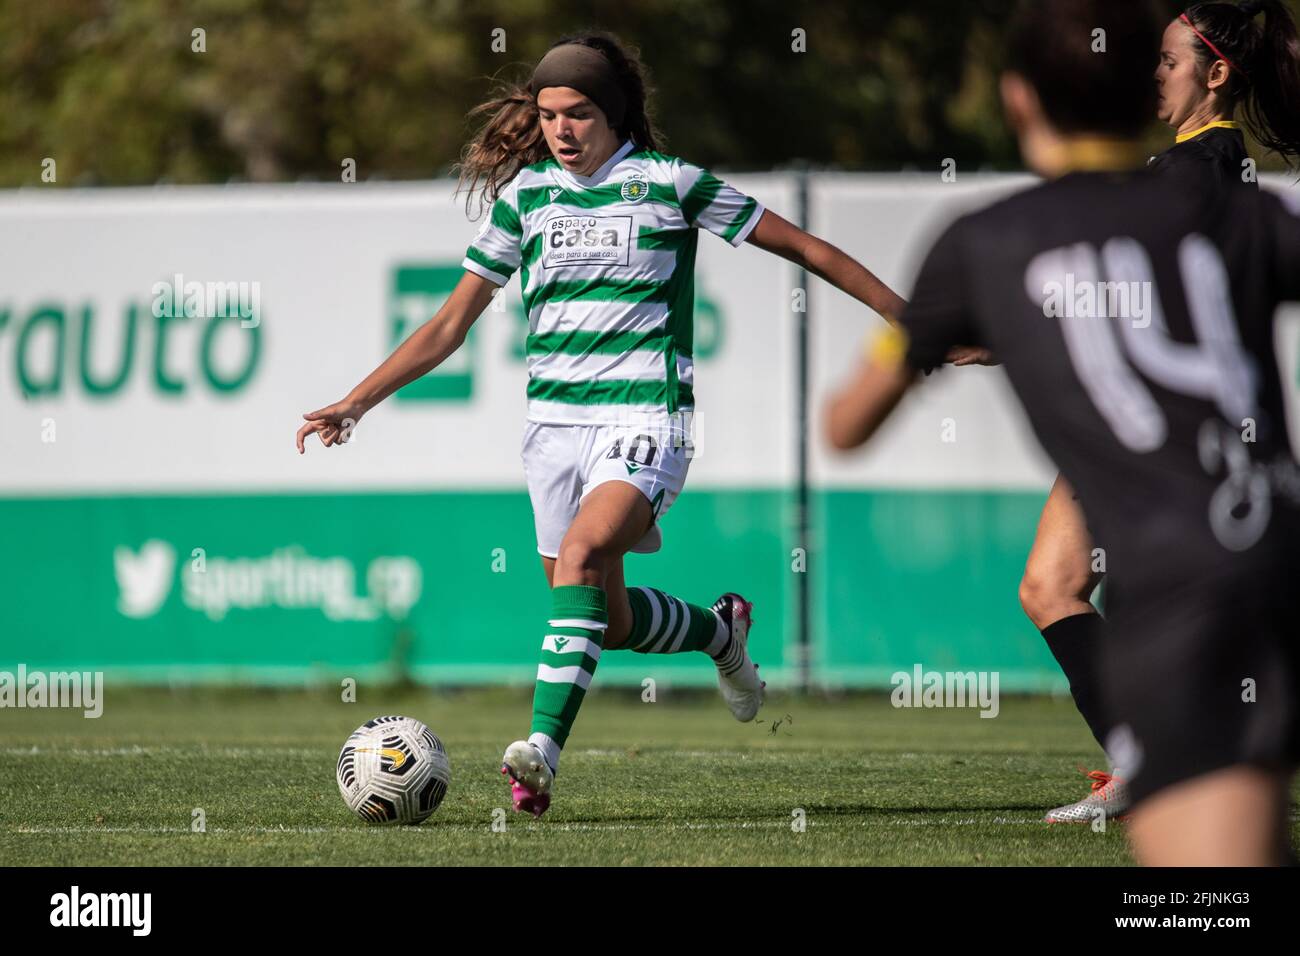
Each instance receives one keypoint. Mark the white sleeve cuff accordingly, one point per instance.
(469, 265)
(748, 227)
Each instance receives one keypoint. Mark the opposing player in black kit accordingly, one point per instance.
(1135, 325)
(1216, 61)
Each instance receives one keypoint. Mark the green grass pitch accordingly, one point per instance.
(671, 782)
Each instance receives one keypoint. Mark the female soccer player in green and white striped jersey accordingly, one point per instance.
(602, 228)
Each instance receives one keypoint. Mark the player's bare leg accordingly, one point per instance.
(1231, 817)
(637, 622)
(620, 612)
(594, 611)
(611, 519)
(1059, 579)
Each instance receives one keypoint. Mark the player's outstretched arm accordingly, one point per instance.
(425, 349)
(861, 405)
(785, 239)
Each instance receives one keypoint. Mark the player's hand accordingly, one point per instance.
(971, 355)
(333, 423)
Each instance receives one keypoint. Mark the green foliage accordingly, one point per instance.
(288, 89)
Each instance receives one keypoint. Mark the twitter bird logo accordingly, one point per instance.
(144, 578)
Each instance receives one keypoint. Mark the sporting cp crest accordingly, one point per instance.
(634, 190)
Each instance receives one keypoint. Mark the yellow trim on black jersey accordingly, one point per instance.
(1094, 154)
(1217, 124)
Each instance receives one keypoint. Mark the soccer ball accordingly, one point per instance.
(393, 770)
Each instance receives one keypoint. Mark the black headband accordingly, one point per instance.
(585, 70)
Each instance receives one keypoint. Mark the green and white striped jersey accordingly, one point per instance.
(608, 275)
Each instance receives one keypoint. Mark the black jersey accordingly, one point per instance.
(1136, 327)
(1211, 164)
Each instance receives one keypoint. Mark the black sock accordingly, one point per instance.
(1075, 643)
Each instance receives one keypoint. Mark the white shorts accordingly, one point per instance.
(563, 463)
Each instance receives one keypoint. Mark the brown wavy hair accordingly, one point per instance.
(509, 136)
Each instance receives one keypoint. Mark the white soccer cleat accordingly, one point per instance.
(738, 678)
(530, 777)
(1109, 798)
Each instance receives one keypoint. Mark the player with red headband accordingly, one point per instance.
(1218, 62)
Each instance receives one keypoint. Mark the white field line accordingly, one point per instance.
(199, 750)
(613, 826)
(434, 829)
(191, 751)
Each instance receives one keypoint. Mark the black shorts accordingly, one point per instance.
(1204, 675)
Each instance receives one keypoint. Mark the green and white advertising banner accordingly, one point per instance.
(158, 348)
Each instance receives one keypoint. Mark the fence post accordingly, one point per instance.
(803, 605)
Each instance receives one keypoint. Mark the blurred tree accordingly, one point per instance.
(116, 93)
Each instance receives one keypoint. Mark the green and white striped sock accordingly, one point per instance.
(570, 650)
(663, 624)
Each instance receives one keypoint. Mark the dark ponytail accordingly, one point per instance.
(1264, 78)
(510, 137)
